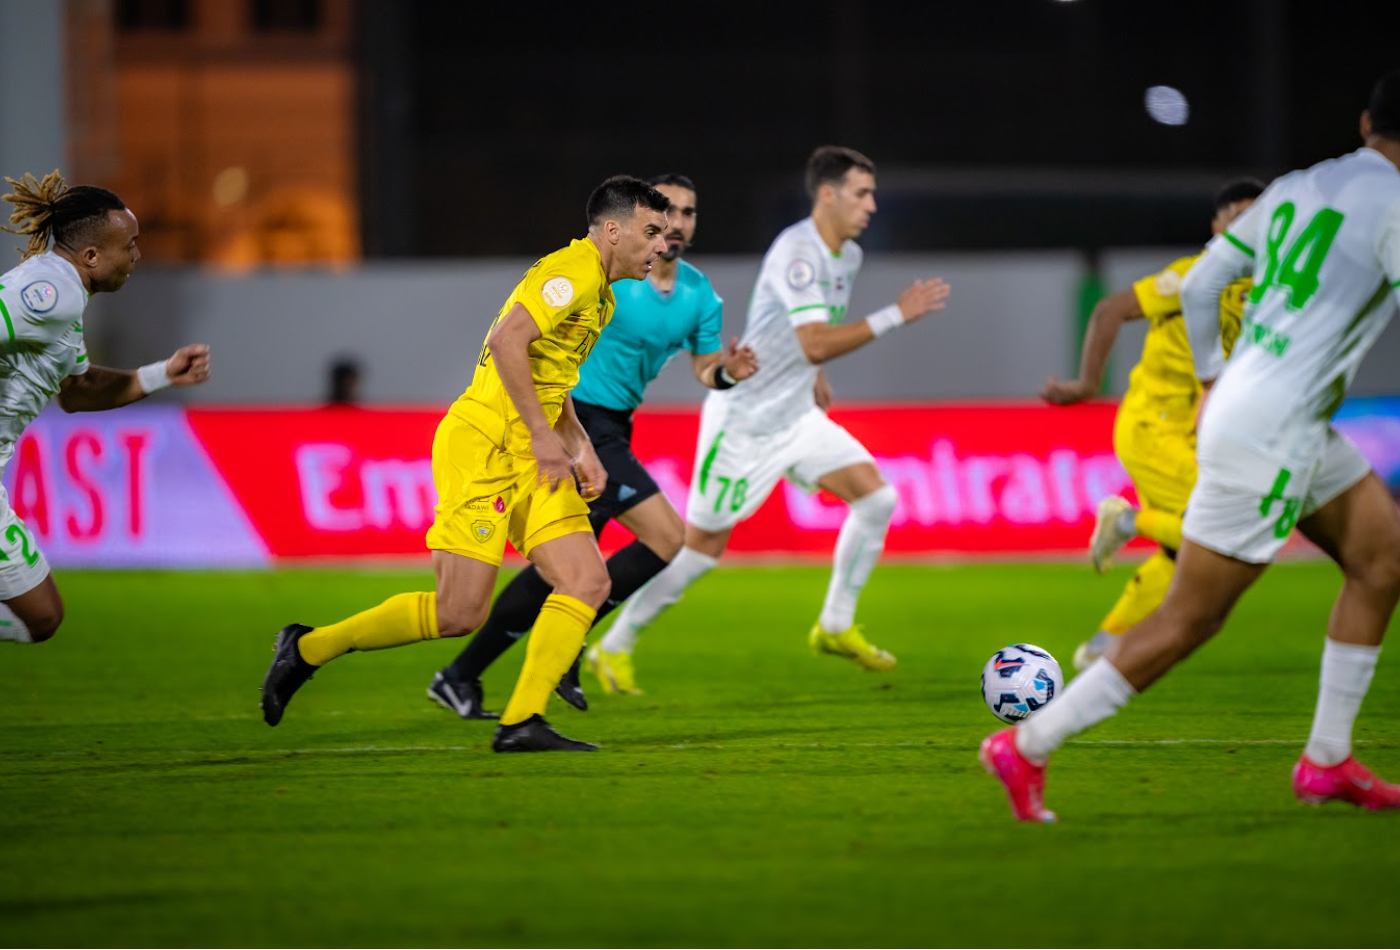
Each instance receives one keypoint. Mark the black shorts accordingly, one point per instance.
(629, 484)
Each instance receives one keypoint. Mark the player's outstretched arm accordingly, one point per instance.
(822, 341)
(1104, 323)
(725, 368)
(104, 388)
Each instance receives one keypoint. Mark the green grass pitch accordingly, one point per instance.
(755, 796)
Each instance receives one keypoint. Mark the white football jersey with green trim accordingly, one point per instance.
(799, 282)
(1323, 245)
(41, 340)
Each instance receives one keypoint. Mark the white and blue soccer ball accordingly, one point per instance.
(1020, 679)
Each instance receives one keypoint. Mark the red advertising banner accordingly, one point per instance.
(971, 478)
(158, 485)
(327, 482)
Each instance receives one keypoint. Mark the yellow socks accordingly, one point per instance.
(1144, 592)
(1160, 526)
(403, 618)
(555, 641)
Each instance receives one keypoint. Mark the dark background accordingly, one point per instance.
(999, 124)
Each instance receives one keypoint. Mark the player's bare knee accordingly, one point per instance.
(458, 621)
(44, 627)
(1381, 572)
(592, 587)
(597, 588)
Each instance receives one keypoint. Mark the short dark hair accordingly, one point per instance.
(672, 178)
(829, 163)
(1240, 189)
(619, 197)
(1385, 106)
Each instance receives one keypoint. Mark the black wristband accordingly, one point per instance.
(721, 379)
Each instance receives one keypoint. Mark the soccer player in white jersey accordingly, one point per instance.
(1323, 245)
(42, 354)
(775, 425)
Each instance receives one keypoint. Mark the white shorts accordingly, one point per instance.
(1245, 506)
(22, 564)
(736, 471)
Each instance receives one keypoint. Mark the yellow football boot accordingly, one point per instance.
(613, 670)
(851, 643)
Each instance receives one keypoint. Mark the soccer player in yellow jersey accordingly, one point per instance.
(511, 461)
(1154, 433)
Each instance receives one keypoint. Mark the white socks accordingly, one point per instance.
(1346, 675)
(1091, 697)
(1100, 691)
(12, 628)
(660, 592)
(858, 547)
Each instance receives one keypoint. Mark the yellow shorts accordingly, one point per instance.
(1160, 461)
(486, 497)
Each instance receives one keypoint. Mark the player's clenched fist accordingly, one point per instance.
(189, 365)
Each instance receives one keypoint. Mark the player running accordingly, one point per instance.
(776, 426)
(1323, 245)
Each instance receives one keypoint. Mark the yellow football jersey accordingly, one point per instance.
(1163, 386)
(568, 296)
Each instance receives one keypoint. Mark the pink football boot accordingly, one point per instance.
(1024, 780)
(1347, 781)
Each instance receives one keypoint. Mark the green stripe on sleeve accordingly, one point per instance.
(1396, 284)
(1238, 243)
(810, 306)
(9, 327)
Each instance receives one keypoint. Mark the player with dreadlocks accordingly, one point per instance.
(82, 241)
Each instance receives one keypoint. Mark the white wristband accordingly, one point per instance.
(152, 376)
(885, 319)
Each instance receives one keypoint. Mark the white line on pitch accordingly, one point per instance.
(372, 749)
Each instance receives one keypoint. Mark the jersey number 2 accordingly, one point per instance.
(17, 535)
